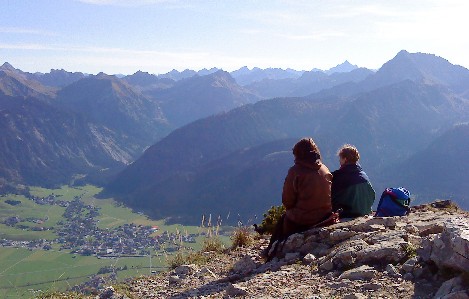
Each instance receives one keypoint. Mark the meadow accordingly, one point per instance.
(24, 271)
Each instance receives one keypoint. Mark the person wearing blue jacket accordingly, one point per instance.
(351, 189)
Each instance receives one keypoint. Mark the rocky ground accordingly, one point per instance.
(423, 255)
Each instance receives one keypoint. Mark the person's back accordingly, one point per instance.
(307, 192)
(306, 195)
(351, 189)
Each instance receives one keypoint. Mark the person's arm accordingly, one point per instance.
(289, 191)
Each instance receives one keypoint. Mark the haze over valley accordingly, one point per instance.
(219, 142)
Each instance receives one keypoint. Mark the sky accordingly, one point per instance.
(156, 36)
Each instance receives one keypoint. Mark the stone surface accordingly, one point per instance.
(235, 291)
(185, 270)
(454, 288)
(244, 266)
(451, 248)
(292, 256)
(392, 271)
(309, 258)
(361, 273)
(361, 258)
(409, 265)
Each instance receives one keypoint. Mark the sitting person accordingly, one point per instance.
(351, 189)
(306, 193)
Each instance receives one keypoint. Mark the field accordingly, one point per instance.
(24, 271)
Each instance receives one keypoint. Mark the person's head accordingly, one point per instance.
(348, 154)
(306, 149)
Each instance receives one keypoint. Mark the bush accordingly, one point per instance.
(271, 218)
(241, 237)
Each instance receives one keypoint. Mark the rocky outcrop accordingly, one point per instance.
(430, 240)
(422, 255)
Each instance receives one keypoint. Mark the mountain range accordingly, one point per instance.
(213, 142)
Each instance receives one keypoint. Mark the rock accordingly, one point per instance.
(340, 235)
(387, 222)
(318, 249)
(451, 248)
(412, 229)
(409, 265)
(292, 256)
(414, 240)
(174, 279)
(185, 270)
(425, 249)
(234, 290)
(345, 254)
(390, 251)
(327, 265)
(454, 288)
(293, 243)
(107, 293)
(408, 276)
(372, 286)
(205, 271)
(245, 265)
(309, 258)
(361, 273)
(418, 272)
(377, 227)
(392, 271)
(355, 296)
(340, 285)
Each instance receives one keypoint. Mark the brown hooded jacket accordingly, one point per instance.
(307, 192)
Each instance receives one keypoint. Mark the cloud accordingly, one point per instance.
(128, 2)
(95, 50)
(19, 30)
(319, 36)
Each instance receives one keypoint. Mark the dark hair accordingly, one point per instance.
(349, 152)
(306, 149)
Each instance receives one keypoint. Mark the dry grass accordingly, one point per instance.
(185, 258)
(241, 237)
(59, 295)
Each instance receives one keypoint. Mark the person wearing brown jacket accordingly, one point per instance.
(307, 188)
(306, 193)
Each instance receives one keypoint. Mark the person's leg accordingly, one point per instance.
(276, 235)
(290, 228)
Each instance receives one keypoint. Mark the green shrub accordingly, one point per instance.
(271, 218)
(410, 250)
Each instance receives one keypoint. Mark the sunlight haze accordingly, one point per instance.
(122, 37)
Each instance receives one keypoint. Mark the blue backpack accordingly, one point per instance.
(394, 202)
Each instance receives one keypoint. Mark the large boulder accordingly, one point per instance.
(451, 248)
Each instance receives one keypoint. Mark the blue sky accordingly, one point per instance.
(156, 36)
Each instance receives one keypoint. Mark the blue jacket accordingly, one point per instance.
(351, 190)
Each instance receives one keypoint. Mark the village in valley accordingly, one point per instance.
(79, 233)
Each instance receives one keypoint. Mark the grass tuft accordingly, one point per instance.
(241, 237)
(410, 250)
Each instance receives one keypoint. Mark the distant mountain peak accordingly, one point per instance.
(102, 75)
(344, 67)
(402, 52)
(141, 73)
(7, 67)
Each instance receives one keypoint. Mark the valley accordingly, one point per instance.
(55, 239)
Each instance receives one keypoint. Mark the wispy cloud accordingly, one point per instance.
(19, 30)
(320, 36)
(129, 3)
(105, 50)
